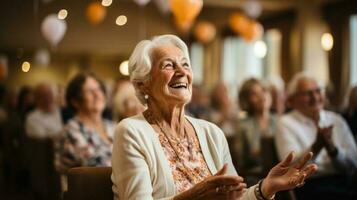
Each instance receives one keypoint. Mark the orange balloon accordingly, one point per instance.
(183, 26)
(253, 32)
(186, 10)
(238, 22)
(96, 13)
(205, 32)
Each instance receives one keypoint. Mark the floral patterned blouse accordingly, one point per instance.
(81, 146)
(190, 168)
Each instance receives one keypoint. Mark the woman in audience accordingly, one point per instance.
(256, 130)
(87, 139)
(125, 102)
(224, 114)
(164, 154)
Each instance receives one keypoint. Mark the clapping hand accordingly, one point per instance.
(218, 186)
(285, 175)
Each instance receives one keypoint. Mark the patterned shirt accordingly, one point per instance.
(81, 146)
(190, 168)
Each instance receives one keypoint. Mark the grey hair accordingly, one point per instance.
(140, 61)
(294, 82)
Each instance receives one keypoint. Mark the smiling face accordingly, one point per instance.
(93, 98)
(259, 98)
(171, 77)
(309, 98)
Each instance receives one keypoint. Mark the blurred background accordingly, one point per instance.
(51, 41)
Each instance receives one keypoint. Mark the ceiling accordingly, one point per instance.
(20, 23)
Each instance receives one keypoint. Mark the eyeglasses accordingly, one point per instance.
(310, 92)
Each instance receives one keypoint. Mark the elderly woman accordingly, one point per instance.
(254, 137)
(164, 154)
(87, 139)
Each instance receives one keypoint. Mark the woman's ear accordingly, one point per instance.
(143, 86)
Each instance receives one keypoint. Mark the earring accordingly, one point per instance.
(146, 97)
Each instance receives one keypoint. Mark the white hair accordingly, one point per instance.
(294, 82)
(140, 61)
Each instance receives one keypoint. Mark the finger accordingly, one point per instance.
(237, 187)
(226, 180)
(304, 160)
(223, 170)
(288, 159)
(310, 169)
(226, 189)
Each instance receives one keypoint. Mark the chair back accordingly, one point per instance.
(89, 183)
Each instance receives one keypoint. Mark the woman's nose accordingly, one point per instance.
(180, 69)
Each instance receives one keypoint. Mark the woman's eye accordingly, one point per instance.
(186, 65)
(168, 65)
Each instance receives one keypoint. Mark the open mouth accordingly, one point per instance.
(179, 85)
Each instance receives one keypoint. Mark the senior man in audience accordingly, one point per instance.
(308, 127)
(45, 121)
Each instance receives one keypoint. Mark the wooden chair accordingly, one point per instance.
(89, 183)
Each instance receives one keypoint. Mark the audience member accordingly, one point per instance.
(25, 102)
(276, 88)
(43, 128)
(351, 112)
(45, 121)
(88, 137)
(224, 112)
(125, 103)
(199, 106)
(311, 128)
(256, 130)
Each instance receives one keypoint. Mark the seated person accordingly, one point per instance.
(258, 127)
(224, 112)
(45, 121)
(308, 127)
(87, 137)
(164, 154)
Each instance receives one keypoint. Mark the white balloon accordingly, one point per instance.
(163, 6)
(142, 2)
(253, 8)
(53, 29)
(42, 57)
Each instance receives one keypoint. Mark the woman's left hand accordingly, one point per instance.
(286, 176)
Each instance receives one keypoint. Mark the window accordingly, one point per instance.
(197, 62)
(239, 63)
(353, 50)
(242, 60)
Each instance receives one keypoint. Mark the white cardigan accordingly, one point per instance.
(140, 168)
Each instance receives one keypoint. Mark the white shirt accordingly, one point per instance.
(297, 132)
(42, 125)
(141, 169)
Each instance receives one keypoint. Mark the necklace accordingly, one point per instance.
(189, 142)
(169, 139)
(190, 174)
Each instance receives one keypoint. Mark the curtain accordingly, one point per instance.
(337, 16)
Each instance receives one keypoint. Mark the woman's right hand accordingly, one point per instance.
(218, 186)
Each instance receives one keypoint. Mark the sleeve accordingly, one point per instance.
(346, 158)
(285, 141)
(33, 130)
(131, 175)
(249, 194)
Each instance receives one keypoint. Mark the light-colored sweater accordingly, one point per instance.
(140, 168)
